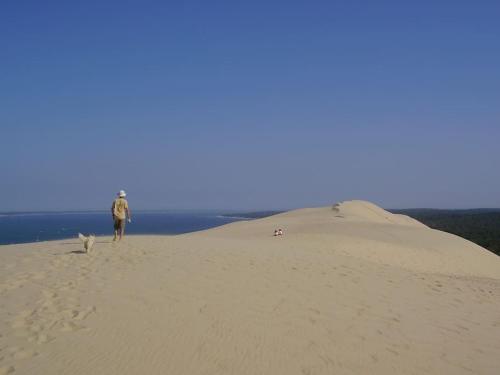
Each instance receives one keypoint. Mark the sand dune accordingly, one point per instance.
(349, 289)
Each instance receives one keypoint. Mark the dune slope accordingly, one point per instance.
(349, 289)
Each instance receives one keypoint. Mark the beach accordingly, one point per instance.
(348, 289)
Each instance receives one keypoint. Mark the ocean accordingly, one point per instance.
(45, 226)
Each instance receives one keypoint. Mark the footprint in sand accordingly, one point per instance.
(70, 327)
(7, 370)
(41, 338)
(396, 353)
(19, 323)
(66, 288)
(82, 315)
(21, 353)
(38, 276)
(49, 294)
(14, 284)
(53, 313)
(69, 313)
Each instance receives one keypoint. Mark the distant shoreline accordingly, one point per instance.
(166, 210)
(37, 226)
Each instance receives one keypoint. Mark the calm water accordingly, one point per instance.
(32, 227)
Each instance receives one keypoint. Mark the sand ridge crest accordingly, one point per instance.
(353, 210)
(364, 210)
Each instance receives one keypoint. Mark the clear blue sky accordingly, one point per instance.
(249, 105)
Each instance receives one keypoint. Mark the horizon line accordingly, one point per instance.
(230, 210)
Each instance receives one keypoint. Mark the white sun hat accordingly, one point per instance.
(122, 194)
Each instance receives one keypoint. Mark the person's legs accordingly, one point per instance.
(122, 228)
(116, 226)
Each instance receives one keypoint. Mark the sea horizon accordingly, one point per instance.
(27, 227)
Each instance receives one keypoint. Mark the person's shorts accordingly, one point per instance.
(119, 224)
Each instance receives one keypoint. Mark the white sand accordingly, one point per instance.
(350, 290)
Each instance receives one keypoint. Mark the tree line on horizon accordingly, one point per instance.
(481, 226)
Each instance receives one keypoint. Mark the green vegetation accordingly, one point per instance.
(481, 226)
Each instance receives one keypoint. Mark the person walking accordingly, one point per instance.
(120, 212)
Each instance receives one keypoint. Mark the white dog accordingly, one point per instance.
(88, 242)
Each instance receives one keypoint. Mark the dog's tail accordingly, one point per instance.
(82, 237)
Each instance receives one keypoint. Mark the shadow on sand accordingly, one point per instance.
(78, 242)
(77, 252)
